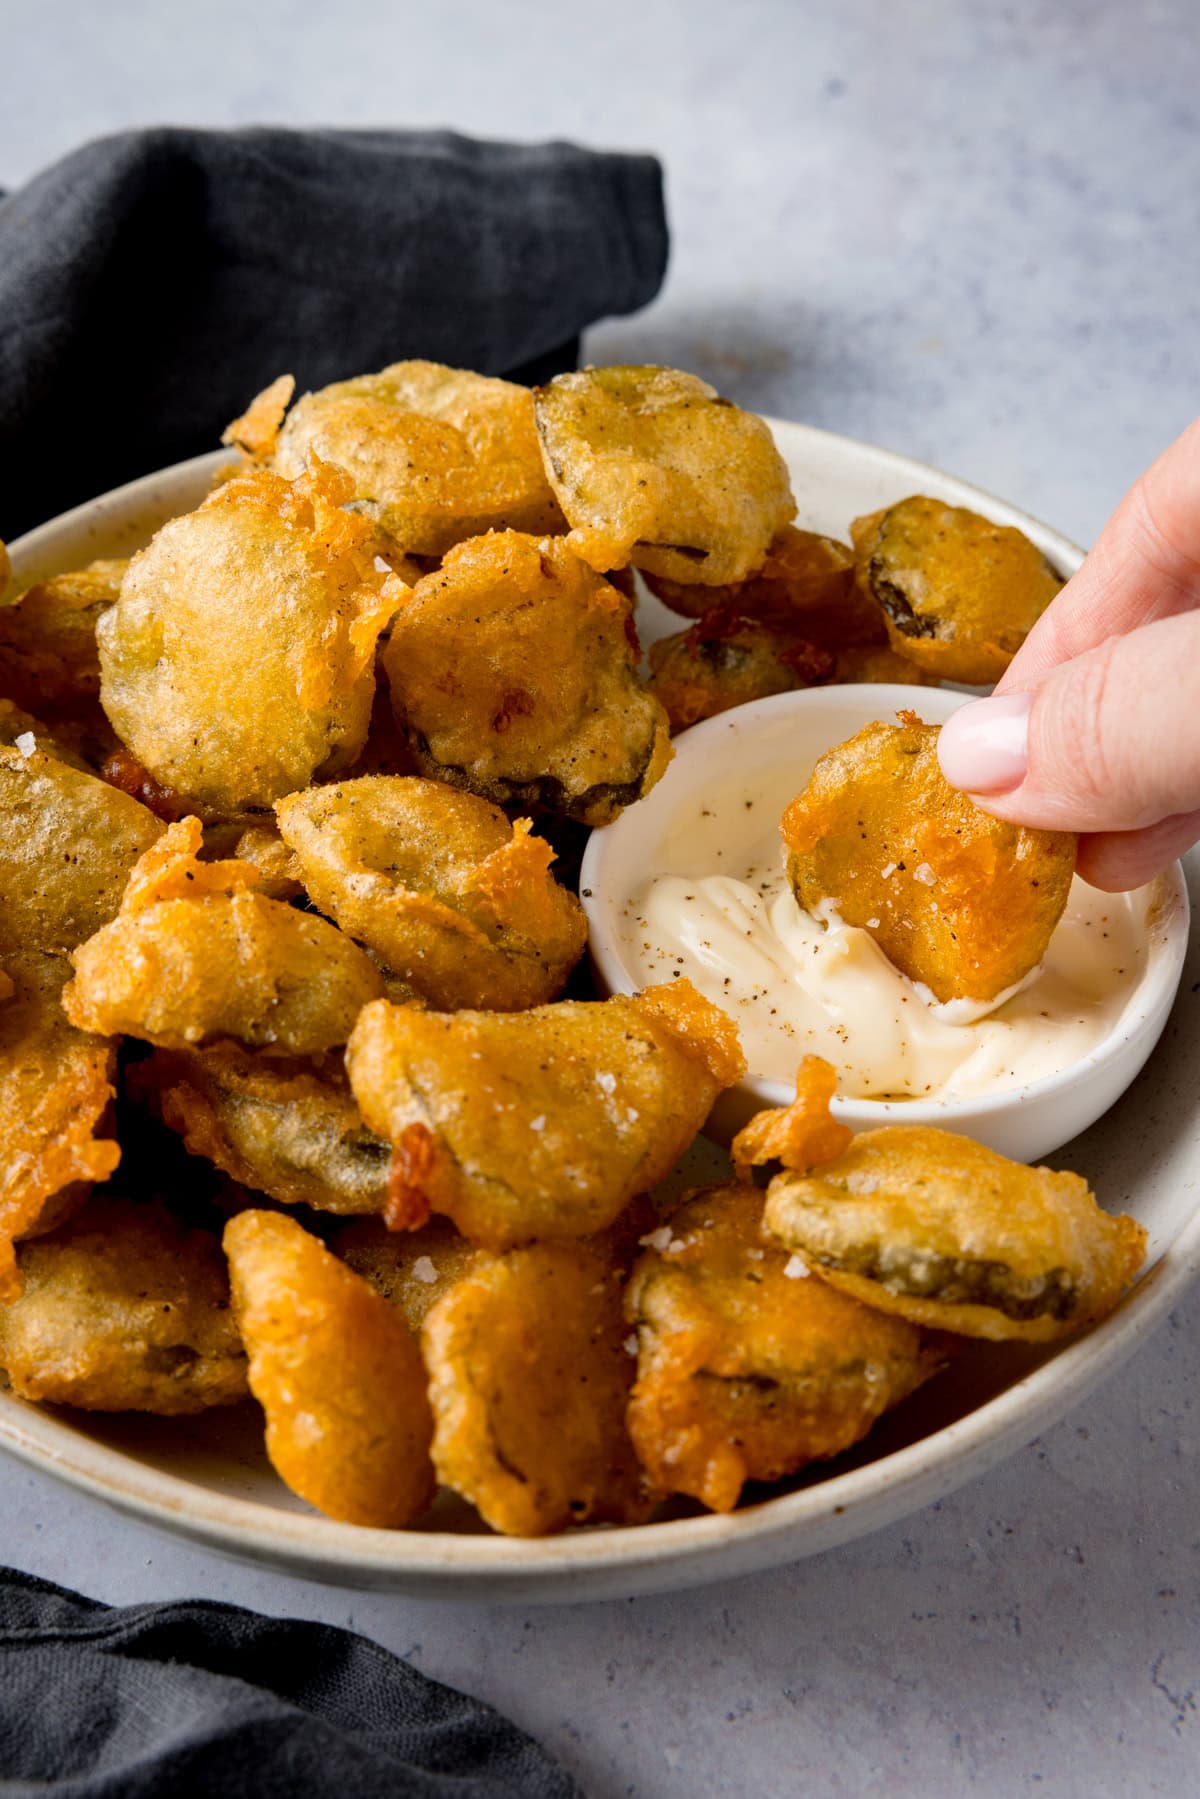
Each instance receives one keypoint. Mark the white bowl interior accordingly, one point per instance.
(208, 1478)
(777, 741)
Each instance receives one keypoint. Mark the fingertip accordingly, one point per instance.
(983, 748)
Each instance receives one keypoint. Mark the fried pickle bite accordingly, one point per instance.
(287, 1129)
(57, 1085)
(19, 730)
(529, 1379)
(410, 1269)
(542, 1123)
(448, 894)
(876, 663)
(68, 843)
(746, 1370)
(125, 1309)
(435, 454)
(806, 584)
(931, 1226)
(959, 594)
(48, 656)
(263, 847)
(651, 466)
(513, 669)
(956, 899)
(726, 660)
(238, 662)
(337, 1372)
(195, 954)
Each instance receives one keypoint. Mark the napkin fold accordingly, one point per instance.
(143, 1701)
(152, 282)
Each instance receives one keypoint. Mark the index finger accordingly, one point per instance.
(1145, 565)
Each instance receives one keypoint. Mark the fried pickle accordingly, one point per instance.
(933, 1227)
(48, 656)
(435, 454)
(410, 1269)
(805, 585)
(652, 467)
(447, 893)
(195, 955)
(56, 1093)
(513, 669)
(19, 730)
(239, 660)
(958, 593)
(542, 1123)
(874, 662)
(746, 1372)
(67, 845)
(337, 1372)
(287, 1129)
(956, 899)
(125, 1309)
(529, 1380)
(726, 660)
(265, 850)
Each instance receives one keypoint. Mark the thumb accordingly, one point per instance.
(1109, 741)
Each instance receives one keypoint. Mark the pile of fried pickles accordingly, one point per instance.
(290, 1102)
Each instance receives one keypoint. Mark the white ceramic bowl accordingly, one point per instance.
(207, 1478)
(790, 731)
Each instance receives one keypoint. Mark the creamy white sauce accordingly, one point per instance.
(720, 912)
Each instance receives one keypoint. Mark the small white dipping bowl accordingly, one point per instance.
(1023, 1122)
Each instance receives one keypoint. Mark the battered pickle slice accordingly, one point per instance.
(542, 1123)
(124, 1309)
(954, 898)
(959, 594)
(513, 670)
(239, 661)
(447, 893)
(933, 1227)
(748, 1370)
(652, 467)
(410, 1269)
(56, 1093)
(875, 663)
(726, 660)
(806, 585)
(21, 731)
(435, 454)
(529, 1380)
(48, 656)
(195, 955)
(287, 1129)
(68, 843)
(337, 1372)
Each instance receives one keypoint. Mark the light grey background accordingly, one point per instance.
(969, 232)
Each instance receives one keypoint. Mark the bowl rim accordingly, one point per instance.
(669, 1553)
(1151, 997)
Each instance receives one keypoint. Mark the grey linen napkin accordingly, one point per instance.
(138, 1701)
(152, 282)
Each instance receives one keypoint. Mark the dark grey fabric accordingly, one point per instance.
(151, 283)
(133, 1702)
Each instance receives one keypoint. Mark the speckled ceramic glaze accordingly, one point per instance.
(208, 1479)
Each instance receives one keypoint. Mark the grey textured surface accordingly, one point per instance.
(968, 233)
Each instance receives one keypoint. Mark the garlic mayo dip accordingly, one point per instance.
(719, 910)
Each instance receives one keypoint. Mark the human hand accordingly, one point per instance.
(1095, 726)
